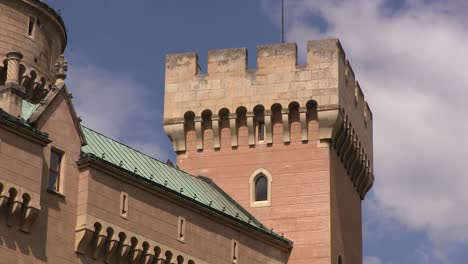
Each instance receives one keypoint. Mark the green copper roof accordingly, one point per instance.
(28, 109)
(194, 188)
(19, 122)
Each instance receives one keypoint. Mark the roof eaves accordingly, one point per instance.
(20, 125)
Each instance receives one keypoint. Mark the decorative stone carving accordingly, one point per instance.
(112, 244)
(21, 206)
(352, 155)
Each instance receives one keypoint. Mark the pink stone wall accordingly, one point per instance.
(300, 203)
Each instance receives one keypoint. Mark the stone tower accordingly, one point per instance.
(32, 39)
(306, 130)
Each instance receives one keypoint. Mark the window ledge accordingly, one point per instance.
(260, 204)
(61, 195)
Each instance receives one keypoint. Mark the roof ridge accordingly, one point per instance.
(139, 151)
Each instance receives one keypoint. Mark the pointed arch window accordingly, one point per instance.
(260, 188)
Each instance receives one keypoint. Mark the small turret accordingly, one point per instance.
(32, 39)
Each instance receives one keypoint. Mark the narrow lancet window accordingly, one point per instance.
(261, 131)
(181, 229)
(31, 26)
(124, 205)
(234, 251)
(261, 188)
(54, 171)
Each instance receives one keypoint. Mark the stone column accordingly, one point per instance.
(13, 67)
(12, 94)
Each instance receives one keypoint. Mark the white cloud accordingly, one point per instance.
(119, 106)
(411, 64)
(372, 260)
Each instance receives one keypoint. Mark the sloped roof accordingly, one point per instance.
(20, 124)
(198, 189)
(28, 109)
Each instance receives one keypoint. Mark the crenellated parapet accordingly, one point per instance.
(112, 244)
(20, 205)
(230, 96)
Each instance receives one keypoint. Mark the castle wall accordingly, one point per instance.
(153, 217)
(21, 166)
(61, 209)
(310, 111)
(346, 218)
(300, 202)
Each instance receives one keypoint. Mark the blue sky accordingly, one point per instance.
(409, 56)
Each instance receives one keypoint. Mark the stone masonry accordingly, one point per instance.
(317, 146)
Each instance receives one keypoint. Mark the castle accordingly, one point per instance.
(272, 163)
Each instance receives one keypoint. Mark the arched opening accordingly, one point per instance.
(340, 260)
(224, 130)
(311, 110)
(260, 187)
(242, 129)
(259, 115)
(207, 131)
(294, 121)
(312, 118)
(180, 260)
(191, 262)
(277, 123)
(189, 127)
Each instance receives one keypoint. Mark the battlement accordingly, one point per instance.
(325, 85)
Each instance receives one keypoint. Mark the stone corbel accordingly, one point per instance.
(364, 183)
(341, 137)
(352, 167)
(251, 130)
(127, 247)
(148, 259)
(361, 174)
(135, 252)
(199, 133)
(369, 184)
(30, 216)
(110, 249)
(329, 123)
(353, 154)
(13, 210)
(98, 244)
(233, 127)
(348, 148)
(216, 134)
(176, 133)
(286, 130)
(83, 240)
(3, 200)
(268, 129)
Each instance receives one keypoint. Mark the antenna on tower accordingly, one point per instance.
(282, 21)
